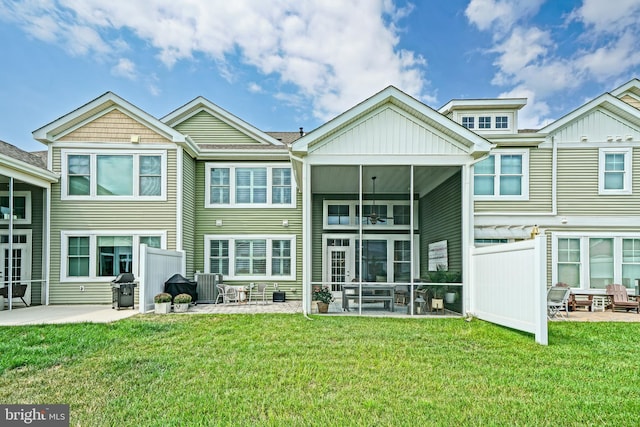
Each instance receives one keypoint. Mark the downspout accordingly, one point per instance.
(554, 177)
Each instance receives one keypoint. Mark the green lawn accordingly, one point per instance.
(278, 370)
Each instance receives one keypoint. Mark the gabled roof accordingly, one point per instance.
(605, 101)
(415, 108)
(483, 104)
(24, 166)
(202, 104)
(632, 86)
(96, 108)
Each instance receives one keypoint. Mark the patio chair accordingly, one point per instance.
(258, 291)
(220, 297)
(17, 291)
(620, 299)
(557, 301)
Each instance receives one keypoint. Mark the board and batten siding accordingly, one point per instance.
(578, 185)
(114, 126)
(388, 131)
(69, 215)
(188, 211)
(596, 126)
(248, 221)
(440, 214)
(540, 188)
(204, 128)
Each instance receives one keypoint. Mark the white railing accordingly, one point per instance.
(509, 286)
(156, 266)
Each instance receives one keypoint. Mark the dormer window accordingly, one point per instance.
(484, 122)
(468, 122)
(502, 122)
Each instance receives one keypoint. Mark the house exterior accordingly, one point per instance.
(388, 192)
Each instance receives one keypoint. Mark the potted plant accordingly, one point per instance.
(324, 297)
(162, 303)
(181, 303)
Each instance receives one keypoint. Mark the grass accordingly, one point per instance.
(280, 370)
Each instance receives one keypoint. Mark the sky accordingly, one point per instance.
(284, 64)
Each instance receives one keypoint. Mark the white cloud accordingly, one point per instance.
(323, 48)
(608, 16)
(124, 68)
(500, 15)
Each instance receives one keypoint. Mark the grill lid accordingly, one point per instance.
(124, 278)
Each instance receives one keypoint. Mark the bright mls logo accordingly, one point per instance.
(34, 415)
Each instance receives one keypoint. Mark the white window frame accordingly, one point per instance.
(493, 115)
(232, 185)
(93, 256)
(524, 190)
(232, 256)
(627, 180)
(353, 218)
(585, 273)
(27, 207)
(93, 160)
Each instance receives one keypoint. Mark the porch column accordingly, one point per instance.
(9, 274)
(306, 238)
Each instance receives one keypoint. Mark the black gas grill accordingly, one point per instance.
(122, 291)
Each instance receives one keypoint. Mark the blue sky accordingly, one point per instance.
(280, 65)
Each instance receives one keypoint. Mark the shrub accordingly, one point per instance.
(182, 299)
(162, 297)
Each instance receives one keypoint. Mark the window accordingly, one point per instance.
(219, 257)
(78, 257)
(615, 171)
(401, 261)
(114, 175)
(503, 175)
(401, 214)
(468, 122)
(21, 207)
(100, 256)
(502, 122)
(484, 122)
(569, 261)
(338, 215)
(254, 185)
(594, 261)
(251, 257)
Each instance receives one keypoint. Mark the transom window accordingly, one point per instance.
(114, 175)
(487, 121)
(502, 175)
(250, 185)
(251, 257)
(615, 171)
(389, 214)
(91, 255)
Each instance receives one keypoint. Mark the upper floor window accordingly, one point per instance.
(504, 175)
(345, 214)
(502, 122)
(251, 185)
(468, 122)
(114, 175)
(21, 207)
(484, 122)
(615, 171)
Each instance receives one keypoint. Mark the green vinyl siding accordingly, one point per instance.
(578, 185)
(247, 221)
(440, 214)
(188, 211)
(91, 215)
(204, 128)
(540, 184)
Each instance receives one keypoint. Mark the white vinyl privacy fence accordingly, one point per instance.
(509, 286)
(156, 266)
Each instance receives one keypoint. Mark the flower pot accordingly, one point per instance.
(323, 307)
(180, 308)
(450, 297)
(162, 307)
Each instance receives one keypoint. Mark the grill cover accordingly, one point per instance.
(178, 284)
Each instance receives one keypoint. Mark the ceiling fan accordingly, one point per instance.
(373, 216)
